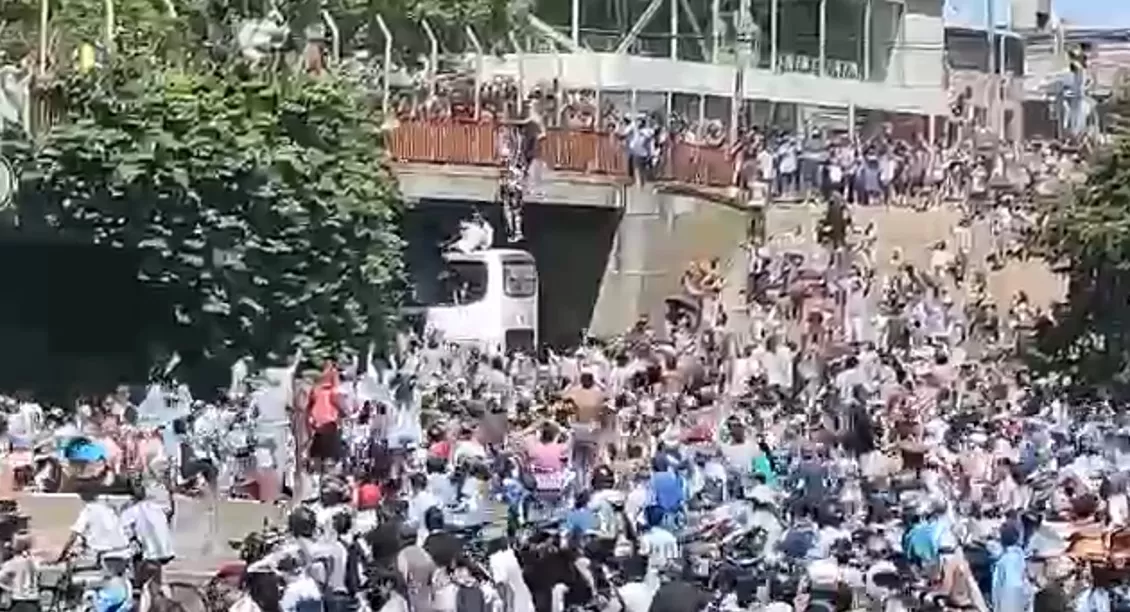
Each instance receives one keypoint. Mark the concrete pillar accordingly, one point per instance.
(625, 292)
(867, 40)
(823, 60)
(674, 29)
(575, 22)
(774, 19)
(716, 26)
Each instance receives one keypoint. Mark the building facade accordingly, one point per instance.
(788, 60)
(985, 79)
(1107, 66)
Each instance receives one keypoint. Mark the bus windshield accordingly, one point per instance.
(458, 283)
(519, 279)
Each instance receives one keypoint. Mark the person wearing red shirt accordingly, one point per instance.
(324, 416)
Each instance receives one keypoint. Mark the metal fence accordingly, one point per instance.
(587, 152)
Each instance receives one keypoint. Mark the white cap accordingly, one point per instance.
(823, 573)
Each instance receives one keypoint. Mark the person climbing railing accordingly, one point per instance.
(562, 150)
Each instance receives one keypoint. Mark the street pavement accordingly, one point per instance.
(200, 542)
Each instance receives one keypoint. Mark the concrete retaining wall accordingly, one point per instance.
(661, 233)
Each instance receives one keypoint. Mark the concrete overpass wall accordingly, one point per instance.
(660, 234)
(914, 232)
(608, 252)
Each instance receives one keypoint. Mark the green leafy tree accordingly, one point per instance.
(259, 198)
(1086, 235)
(262, 207)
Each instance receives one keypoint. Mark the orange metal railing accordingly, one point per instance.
(474, 144)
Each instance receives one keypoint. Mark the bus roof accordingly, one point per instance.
(510, 254)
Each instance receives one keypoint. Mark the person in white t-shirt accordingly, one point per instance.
(302, 593)
(766, 166)
(636, 594)
(27, 421)
(505, 570)
(659, 545)
(99, 528)
(147, 522)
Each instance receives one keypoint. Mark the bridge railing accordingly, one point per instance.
(587, 152)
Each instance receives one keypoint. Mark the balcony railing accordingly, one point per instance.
(586, 152)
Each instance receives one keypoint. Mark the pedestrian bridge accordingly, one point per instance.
(573, 157)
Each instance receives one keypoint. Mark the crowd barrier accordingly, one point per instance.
(588, 152)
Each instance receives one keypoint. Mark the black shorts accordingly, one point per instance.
(326, 443)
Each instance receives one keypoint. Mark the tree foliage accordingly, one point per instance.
(259, 197)
(196, 25)
(262, 207)
(1086, 234)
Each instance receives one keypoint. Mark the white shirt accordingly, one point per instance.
(634, 504)
(418, 505)
(1119, 510)
(661, 548)
(300, 594)
(765, 162)
(324, 516)
(149, 524)
(395, 603)
(505, 569)
(636, 596)
(466, 449)
(365, 521)
(28, 421)
(780, 367)
(1093, 600)
(101, 528)
(940, 260)
(243, 604)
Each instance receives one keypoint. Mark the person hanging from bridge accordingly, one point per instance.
(512, 195)
(518, 146)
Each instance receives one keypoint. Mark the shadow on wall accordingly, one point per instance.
(74, 318)
(570, 244)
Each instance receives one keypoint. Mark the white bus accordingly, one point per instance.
(486, 298)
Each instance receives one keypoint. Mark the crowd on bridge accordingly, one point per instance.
(882, 162)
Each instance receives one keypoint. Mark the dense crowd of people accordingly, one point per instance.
(862, 440)
(860, 436)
